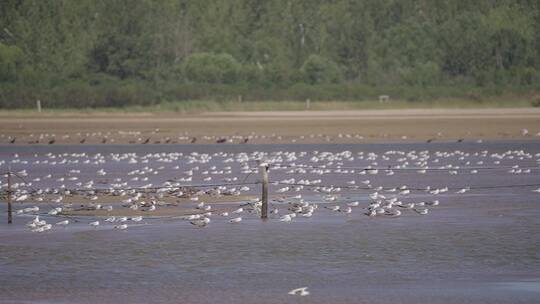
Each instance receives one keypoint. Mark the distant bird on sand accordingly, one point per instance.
(221, 140)
(52, 141)
(193, 140)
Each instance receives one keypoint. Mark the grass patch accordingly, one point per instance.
(199, 106)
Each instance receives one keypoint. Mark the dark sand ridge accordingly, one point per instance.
(271, 127)
(77, 205)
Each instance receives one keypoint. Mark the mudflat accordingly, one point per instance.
(270, 127)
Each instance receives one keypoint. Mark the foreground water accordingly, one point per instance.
(479, 247)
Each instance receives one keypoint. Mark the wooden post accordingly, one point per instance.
(38, 104)
(308, 104)
(10, 216)
(264, 196)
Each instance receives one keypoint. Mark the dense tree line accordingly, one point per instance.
(117, 52)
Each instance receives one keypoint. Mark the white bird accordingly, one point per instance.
(43, 228)
(407, 206)
(421, 211)
(371, 212)
(95, 224)
(353, 204)
(121, 227)
(286, 218)
(433, 203)
(192, 217)
(201, 222)
(63, 223)
(393, 213)
(462, 191)
(239, 210)
(405, 192)
(21, 198)
(137, 218)
(302, 291)
(235, 220)
(225, 214)
(333, 208)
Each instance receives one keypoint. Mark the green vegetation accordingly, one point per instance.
(187, 54)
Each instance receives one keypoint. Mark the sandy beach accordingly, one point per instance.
(368, 126)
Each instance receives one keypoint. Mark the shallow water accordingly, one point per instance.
(479, 247)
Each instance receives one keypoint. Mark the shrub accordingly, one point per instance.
(317, 70)
(527, 76)
(212, 68)
(536, 101)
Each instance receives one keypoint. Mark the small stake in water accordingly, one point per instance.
(10, 216)
(264, 198)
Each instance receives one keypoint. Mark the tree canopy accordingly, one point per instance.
(80, 48)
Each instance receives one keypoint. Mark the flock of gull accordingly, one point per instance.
(51, 188)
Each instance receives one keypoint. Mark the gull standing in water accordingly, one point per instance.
(353, 204)
(200, 223)
(286, 218)
(235, 220)
(239, 210)
(302, 291)
(121, 227)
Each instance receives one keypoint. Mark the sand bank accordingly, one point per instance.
(270, 127)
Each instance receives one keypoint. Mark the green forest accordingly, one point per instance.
(113, 53)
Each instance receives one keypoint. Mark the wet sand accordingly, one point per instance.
(170, 207)
(270, 127)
